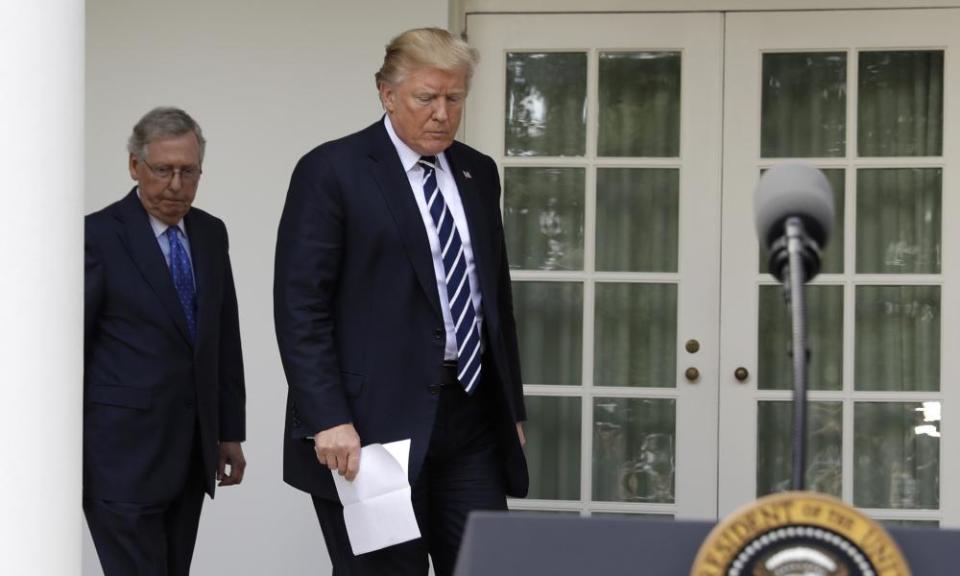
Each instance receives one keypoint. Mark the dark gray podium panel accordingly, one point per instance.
(531, 544)
(515, 544)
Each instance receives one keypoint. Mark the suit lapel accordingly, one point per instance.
(395, 188)
(470, 197)
(146, 254)
(201, 256)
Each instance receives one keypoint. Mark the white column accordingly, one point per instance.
(41, 285)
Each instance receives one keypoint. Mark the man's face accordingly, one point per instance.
(168, 176)
(425, 108)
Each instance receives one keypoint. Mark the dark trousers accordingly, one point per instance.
(134, 539)
(462, 473)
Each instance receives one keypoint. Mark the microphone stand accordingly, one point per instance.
(797, 258)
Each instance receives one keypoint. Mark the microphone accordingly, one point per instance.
(798, 196)
(793, 205)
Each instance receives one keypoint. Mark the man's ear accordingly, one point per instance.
(134, 162)
(387, 97)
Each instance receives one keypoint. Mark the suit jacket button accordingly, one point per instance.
(438, 334)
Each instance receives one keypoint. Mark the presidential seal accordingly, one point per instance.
(799, 534)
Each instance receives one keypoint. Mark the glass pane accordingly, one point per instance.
(804, 105)
(896, 455)
(633, 449)
(639, 104)
(637, 219)
(543, 217)
(550, 331)
(775, 450)
(636, 335)
(900, 104)
(546, 103)
(898, 220)
(897, 338)
(553, 447)
(824, 339)
(831, 259)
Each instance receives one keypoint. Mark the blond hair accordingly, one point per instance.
(425, 48)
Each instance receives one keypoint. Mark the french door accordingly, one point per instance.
(865, 96)
(629, 146)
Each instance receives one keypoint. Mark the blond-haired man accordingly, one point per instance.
(394, 315)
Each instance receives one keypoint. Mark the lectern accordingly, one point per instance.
(528, 544)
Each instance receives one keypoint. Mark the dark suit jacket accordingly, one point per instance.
(357, 312)
(147, 390)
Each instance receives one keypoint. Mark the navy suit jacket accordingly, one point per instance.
(357, 313)
(147, 390)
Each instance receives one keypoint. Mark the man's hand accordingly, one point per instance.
(338, 448)
(231, 454)
(523, 438)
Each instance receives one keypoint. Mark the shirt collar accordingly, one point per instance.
(160, 227)
(408, 157)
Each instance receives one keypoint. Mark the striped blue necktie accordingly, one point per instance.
(458, 285)
(183, 280)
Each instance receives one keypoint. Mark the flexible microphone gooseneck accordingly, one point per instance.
(793, 205)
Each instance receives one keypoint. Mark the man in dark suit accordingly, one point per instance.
(394, 314)
(163, 412)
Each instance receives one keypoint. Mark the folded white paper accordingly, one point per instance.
(377, 508)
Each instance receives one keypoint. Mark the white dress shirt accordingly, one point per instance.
(451, 195)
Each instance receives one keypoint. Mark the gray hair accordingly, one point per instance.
(425, 48)
(163, 122)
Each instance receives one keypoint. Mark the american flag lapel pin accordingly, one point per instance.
(467, 175)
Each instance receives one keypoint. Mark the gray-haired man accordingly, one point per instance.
(163, 413)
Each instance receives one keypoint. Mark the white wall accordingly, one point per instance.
(459, 7)
(267, 81)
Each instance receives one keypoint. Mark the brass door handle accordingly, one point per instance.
(692, 374)
(741, 374)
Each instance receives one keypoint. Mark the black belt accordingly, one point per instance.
(448, 377)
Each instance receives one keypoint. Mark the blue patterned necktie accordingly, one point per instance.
(458, 285)
(183, 280)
